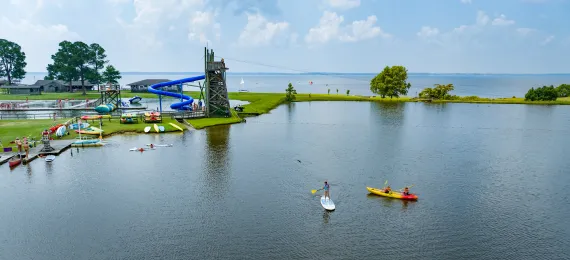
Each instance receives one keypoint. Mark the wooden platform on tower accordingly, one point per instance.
(110, 95)
(217, 101)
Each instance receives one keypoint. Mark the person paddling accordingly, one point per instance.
(387, 189)
(406, 191)
(326, 188)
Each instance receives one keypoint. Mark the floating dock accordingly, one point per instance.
(58, 145)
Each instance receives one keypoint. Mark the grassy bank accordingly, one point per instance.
(10, 129)
(259, 103)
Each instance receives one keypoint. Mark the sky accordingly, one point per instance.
(431, 36)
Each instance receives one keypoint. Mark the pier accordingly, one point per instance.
(59, 146)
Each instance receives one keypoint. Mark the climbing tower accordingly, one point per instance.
(112, 95)
(217, 101)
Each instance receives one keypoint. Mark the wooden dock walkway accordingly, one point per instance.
(58, 145)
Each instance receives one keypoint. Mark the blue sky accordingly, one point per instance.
(438, 36)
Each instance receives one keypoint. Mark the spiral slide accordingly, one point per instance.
(181, 105)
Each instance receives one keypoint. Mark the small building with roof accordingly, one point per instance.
(53, 86)
(142, 86)
(3, 82)
(22, 89)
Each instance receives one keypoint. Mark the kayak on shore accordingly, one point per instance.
(392, 194)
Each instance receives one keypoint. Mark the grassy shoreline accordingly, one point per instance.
(259, 103)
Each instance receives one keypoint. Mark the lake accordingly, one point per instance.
(483, 85)
(492, 182)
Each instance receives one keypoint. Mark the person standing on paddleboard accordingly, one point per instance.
(326, 188)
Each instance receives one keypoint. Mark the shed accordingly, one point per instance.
(62, 86)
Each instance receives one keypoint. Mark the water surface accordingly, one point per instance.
(492, 182)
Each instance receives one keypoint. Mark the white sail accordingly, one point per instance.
(242, 82)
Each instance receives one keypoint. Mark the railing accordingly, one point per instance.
(188, 114)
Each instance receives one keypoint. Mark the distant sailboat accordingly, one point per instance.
(242, 89)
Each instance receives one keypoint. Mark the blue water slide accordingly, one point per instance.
(154, 89)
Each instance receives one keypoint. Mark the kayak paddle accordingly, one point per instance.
(313, 191)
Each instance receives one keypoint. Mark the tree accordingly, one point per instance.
(541, 94)
(63, 67)
(290, 92)
(337, 91)
(438, 92)
(97, 62)
(348, 92)
(12, 61)
(329, 91)
(563, 90)
(391, 82)
(77, 61)
(111, 75)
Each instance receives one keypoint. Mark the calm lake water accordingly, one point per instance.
(359, 84)
(493, 183)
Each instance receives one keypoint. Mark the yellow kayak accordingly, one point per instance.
(396, 195)
(176, 126)
(155, 128)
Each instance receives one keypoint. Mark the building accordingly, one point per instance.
(3, 82)
(62, 86)
(22, 89)
(142, 86)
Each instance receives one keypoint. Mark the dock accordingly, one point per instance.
(59, 146)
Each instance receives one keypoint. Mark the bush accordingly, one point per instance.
(438, 92)
(543, 93)
(563, 90)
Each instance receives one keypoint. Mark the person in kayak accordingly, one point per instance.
(406, 191)
(326, 189)
(387, 189)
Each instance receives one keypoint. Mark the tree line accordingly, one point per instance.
(73, 61)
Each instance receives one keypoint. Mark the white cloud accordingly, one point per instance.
(466, 1)
(502, 21)
(330, 28)
(525, 31)
(363, 30)
(38, 41)
(482, 18)
(326, 30)
(547, 40)
(258, 31)
(343, 4)
(200, 24)
(152, 16)
(427, 31)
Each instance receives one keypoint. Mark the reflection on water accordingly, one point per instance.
(217, 159)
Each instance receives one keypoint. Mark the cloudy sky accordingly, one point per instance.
(447, 36)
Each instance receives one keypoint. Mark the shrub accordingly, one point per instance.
(544, 93)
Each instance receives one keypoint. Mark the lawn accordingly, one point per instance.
(10, 129)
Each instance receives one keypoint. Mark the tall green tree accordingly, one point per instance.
(290, 92)
(97, 61)
(111, 75)
(63, 68)
(72, 61)
(391, 82)
(12, 61)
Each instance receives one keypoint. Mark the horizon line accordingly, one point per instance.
(330, 73)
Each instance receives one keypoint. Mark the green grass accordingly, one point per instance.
(10, 129)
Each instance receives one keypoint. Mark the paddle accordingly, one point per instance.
(313, 191)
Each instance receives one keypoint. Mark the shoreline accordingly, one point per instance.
(259, 104)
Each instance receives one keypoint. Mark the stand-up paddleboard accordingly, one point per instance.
(161, 128)
(147, 129)
(133, 149)
(160, 145)
(327, 203)
(156, 128)
(176, 126)
(50, 158)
